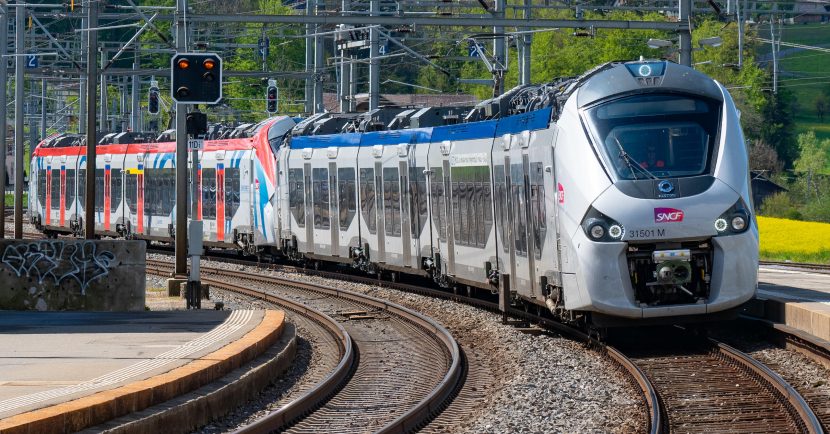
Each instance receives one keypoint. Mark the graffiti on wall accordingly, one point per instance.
(59, 261)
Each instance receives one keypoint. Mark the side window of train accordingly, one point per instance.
(209, 193)
(417, 199)
(82, 189)
(232, 186)
(99, 190)
(537, 207)
(367, 199)
(131, 192)
(501, 204)
(472, 205)
(439, 210)
(296, 195)
(70, 187)
(517, 196)
(115, 189)
(56, 189)
(41, 188)
(391, 201)
(320, 197)
(348, 196)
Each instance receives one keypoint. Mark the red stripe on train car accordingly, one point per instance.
(220, 202)
(148, 148)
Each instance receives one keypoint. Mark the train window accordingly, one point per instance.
(99, 190)
(232, 186)
(517, 195)
(209, 194)
(417, 199)
(41, 187)
(70, 188)
(131, 192)
(82, 189)
(391, 201)
(439, 210)
(296, 195)
(501, 204)
(116, 183)
(56, 189)
(471, 205)
(657, 136)
(320, 197)
(537, 207)
(368, 200)
(348, 196)
(159, 191)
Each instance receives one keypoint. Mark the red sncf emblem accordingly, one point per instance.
(667, 215)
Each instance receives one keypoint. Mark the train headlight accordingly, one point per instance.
(735, 220)
(738, 223)
(616, 232)
(597, 231)
(600, 227)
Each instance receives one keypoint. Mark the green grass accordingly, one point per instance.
(10, 200)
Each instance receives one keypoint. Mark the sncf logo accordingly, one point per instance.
(667, 215)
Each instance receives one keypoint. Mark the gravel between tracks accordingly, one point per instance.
(539, 383)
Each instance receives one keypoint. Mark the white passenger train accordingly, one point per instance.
(618, 196)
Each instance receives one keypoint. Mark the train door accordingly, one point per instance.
(502, 210)
(133, 167)
(438, 155)
(347, 201)
(419, 203)
(334, 240)
(321, 201)
(392, 179)
(117, 202)
(159, 194)
(520, 204)
(368, 199)
(298, 200)
(208, 191)
(543, 197)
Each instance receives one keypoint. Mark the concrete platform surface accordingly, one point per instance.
(54, 361)
(800, 299)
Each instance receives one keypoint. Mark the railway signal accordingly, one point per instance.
(271, 96)
(196, 78)
(153, 98)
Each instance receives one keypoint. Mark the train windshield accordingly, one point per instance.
(657, 136)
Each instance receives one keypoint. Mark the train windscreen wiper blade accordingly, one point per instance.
(631, 163)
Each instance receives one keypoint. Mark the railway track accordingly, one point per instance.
(405, 366)
(708, 386)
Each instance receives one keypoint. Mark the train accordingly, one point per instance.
(620, 196)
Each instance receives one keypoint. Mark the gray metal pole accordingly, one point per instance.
(91, 118)
(499, 47)
(352, 83)
(527, 40)
(344, 69)
(309, 59)
(19, 81)
(374, 63)
(104, 123)
(82, 110)
(740, 17)
(774, 54)
(135, 88)
(4, 77)
(42, 110)
(685, 33)
(181, 157)
(318, 63)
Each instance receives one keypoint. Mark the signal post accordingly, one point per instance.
(196, 78)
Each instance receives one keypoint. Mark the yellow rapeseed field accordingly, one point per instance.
(794, 240)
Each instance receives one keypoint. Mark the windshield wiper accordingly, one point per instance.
(631, 163)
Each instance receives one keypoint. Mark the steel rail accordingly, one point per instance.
(804, 416)
(312, 398)
(430, 405)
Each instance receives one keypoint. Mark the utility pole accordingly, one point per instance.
(685, 33)
(91, 118)
(4, 77)
(775, 47)
(309, 59)
(135, 89)
(740, 18)
(105, 126)
(318, 62)
(19, 81)
(499, 49)
(42, 110)
(527, 40)
(181, 157)
(82, 109)
(374, 65)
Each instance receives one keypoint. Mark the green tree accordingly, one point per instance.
(812, 160)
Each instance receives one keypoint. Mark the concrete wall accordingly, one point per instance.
(92, 275)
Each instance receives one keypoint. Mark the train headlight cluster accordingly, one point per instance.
(734, 221)
(600, 227)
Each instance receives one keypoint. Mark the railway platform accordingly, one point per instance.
(70, 371)
(797, 298)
